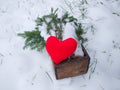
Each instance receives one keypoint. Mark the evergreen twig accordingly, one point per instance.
(34, 40)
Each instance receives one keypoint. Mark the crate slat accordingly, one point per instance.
(76, 66)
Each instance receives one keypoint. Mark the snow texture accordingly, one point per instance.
(30, 70)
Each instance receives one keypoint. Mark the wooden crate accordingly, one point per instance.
(73, 67)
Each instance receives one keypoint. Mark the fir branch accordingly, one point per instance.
(33, 40)
(53, 22)
(79, 32)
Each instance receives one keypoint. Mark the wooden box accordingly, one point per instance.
(73, 67)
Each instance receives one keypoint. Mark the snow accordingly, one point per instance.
(31, 70)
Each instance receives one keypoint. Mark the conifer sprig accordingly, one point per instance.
(34, 40)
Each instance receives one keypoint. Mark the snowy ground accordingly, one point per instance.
(30, 70)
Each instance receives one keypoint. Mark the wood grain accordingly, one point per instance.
(73, 67)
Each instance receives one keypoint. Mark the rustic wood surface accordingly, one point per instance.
(73, 67)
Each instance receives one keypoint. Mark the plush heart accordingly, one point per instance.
(60, 50)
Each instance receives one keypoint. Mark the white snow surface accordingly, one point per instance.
(31, 70)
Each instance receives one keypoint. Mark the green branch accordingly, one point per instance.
(33, 40)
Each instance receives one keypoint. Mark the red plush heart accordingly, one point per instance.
(60, 50)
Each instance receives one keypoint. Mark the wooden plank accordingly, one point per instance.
(73, 67)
